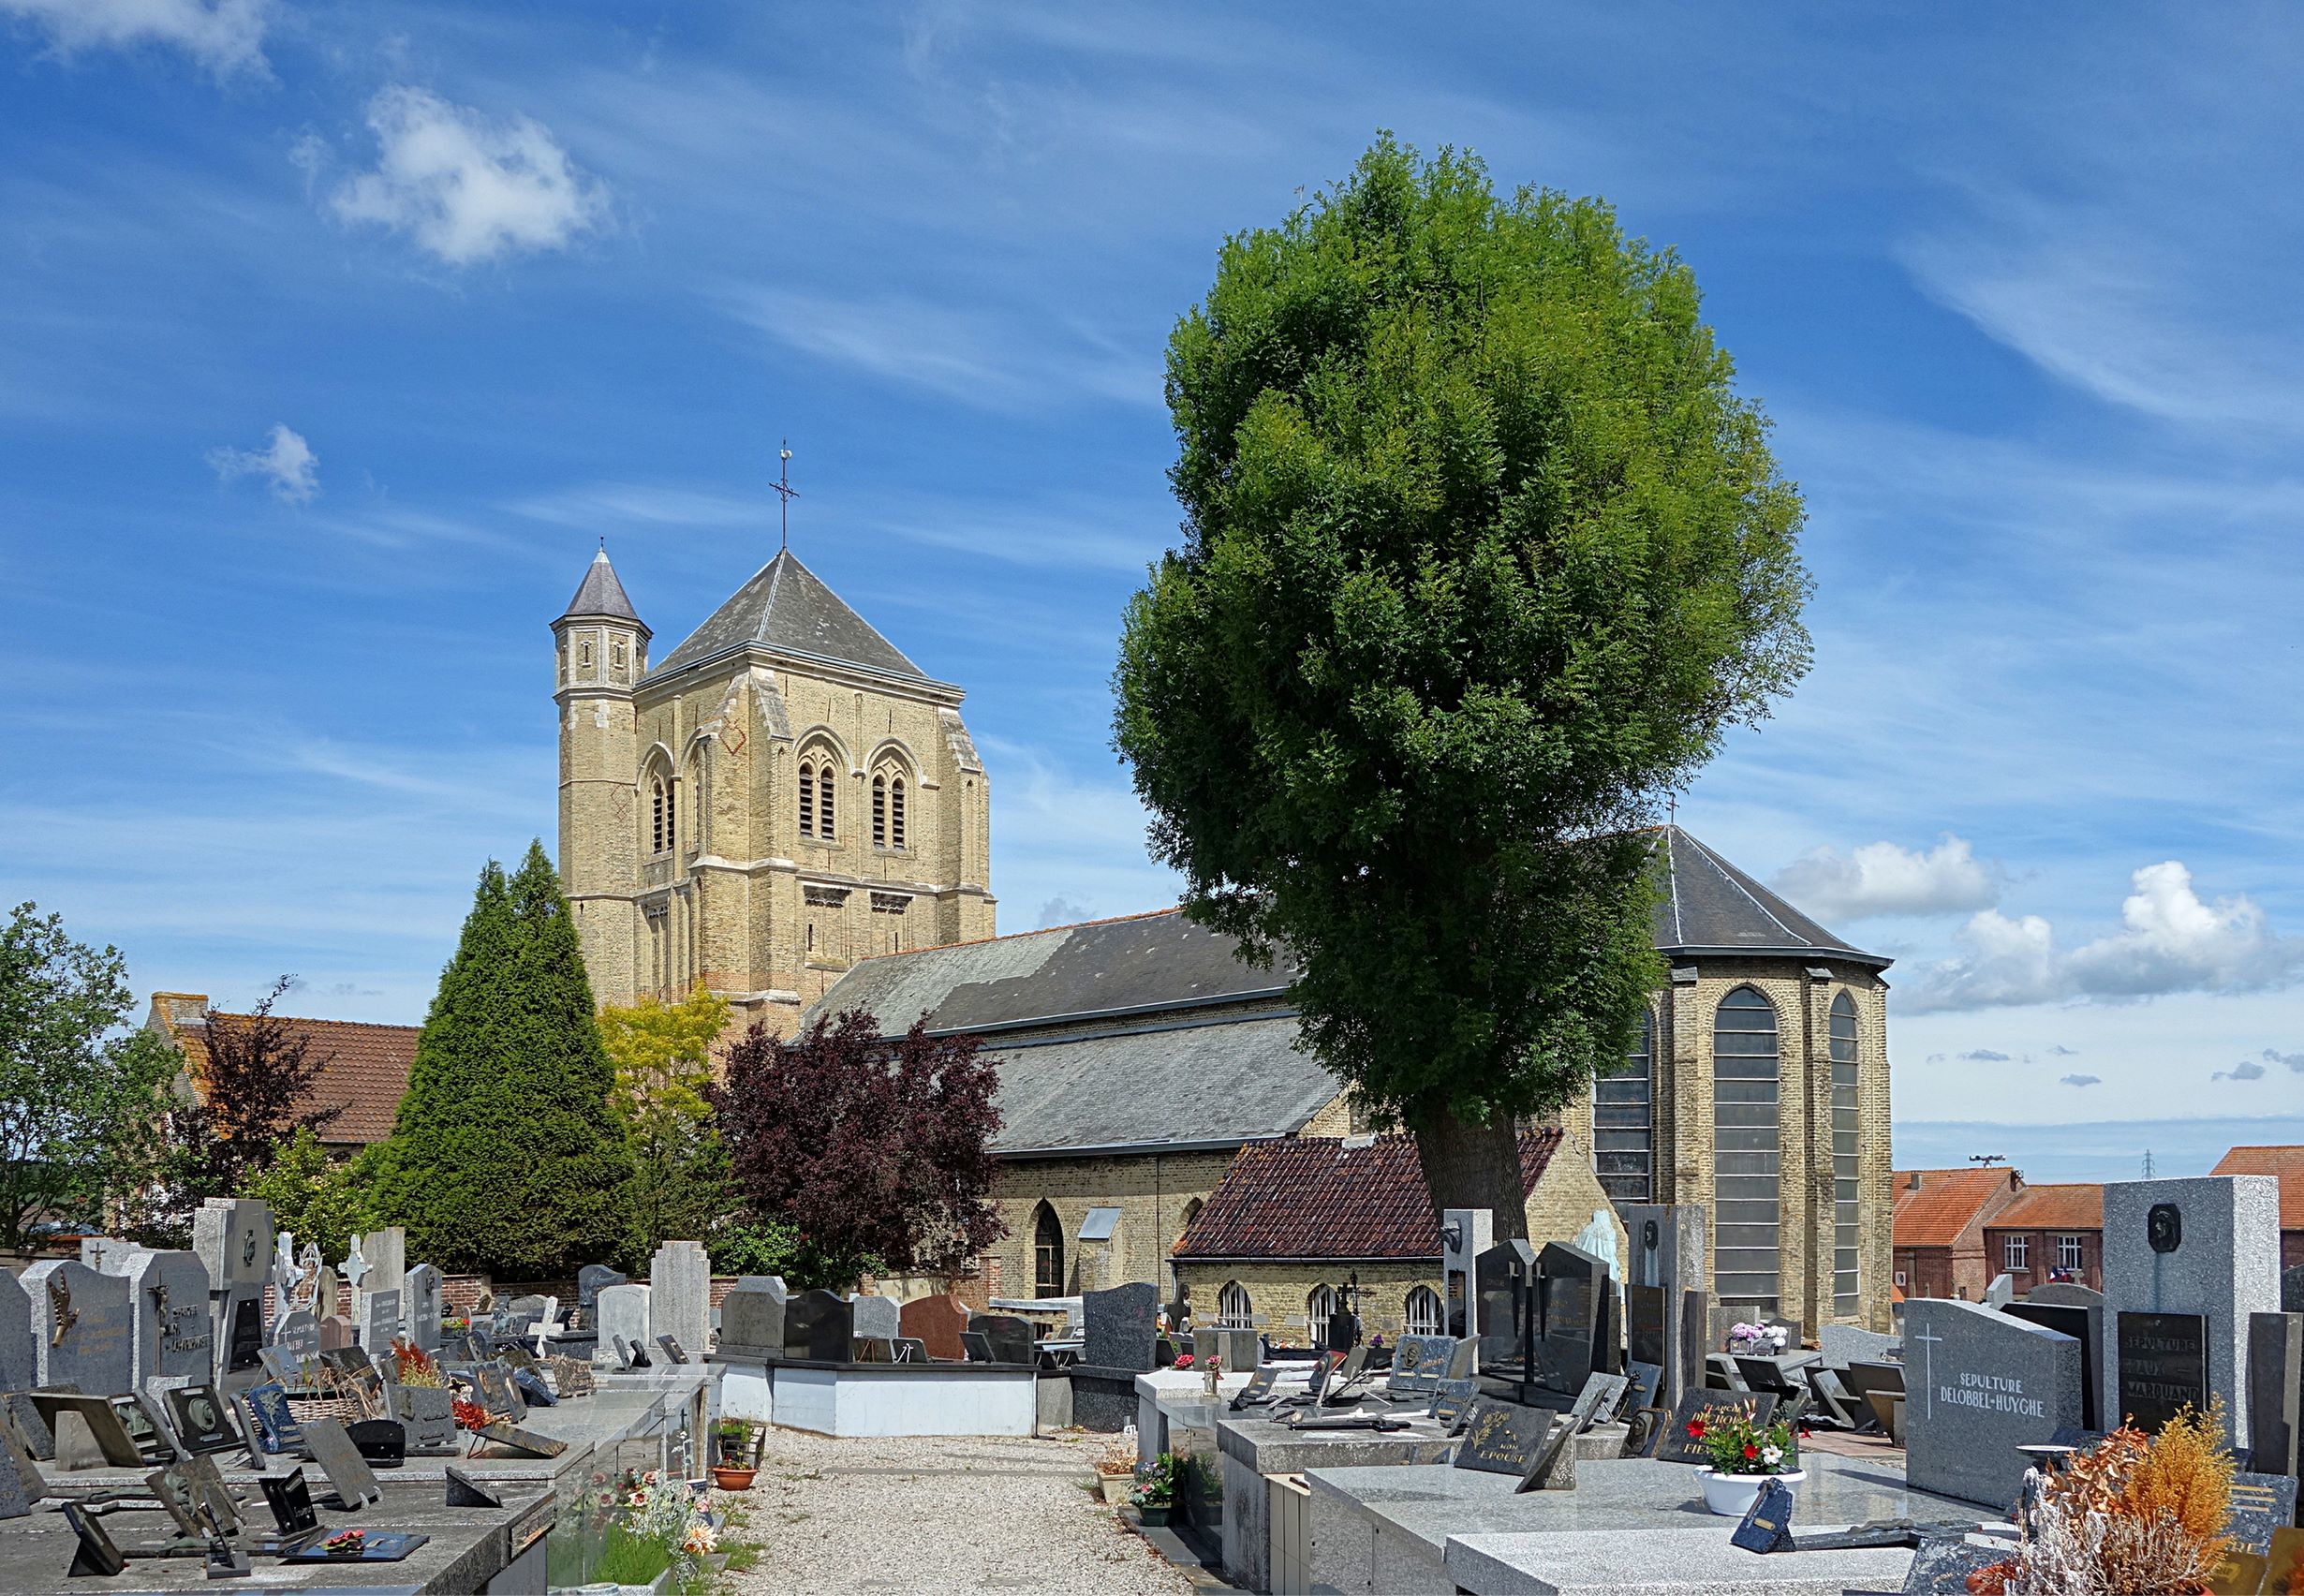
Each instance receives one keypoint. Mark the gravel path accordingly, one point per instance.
(939, 1514)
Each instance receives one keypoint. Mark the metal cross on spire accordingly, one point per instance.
(785, 491)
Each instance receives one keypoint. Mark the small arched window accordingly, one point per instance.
(1047, 1253)
(1231, 1307)
(808, 797)
(879, 811)
(1317, 1309)
(895, 812)
(823, 801)
(659, 815)
(1422, 1316)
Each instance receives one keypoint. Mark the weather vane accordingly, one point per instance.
(786, 493)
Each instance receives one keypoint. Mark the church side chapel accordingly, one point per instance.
(788, 810)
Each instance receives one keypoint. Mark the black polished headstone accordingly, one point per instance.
(1010, 1338)
(1942, 1566)
(2083, 1323)
(1502, 1275)
(1767, 1524)
(975, 1346)
(1644, 1324)
(1452, 1403)
(2276, 1393)
(1676, 1446)
(1504, 1437)
(2163, 1367)
(820, 1326)
(384, 1442)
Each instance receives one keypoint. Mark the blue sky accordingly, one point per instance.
(332, 337)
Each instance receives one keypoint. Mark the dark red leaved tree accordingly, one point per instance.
(256, 1092)
(866, 1144)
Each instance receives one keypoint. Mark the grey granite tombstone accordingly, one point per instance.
(1665, 1248)
(2001, 1292)
(2208, 1246)
(2076, 1311)
(1009, 1338)
(752, 1317)
(1120, 1327)
(2292, 1290)
(83, 1332)
(1980, 1384)
(428, 1414)
(174, 1342)
(233, 1236)
(2276, 1393)
(1502, 1275)
(875, 1317)
(18, 1367)
(379, 1317)
(1419, 1363)
(594, 1279)
(624, 1311)
(419, 1300)
(1576, 1290)
(297, 1336)
(1840, 1345)
(387, 1252)
(680, 1294)
(820, 1327)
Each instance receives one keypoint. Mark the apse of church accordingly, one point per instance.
(784, 793)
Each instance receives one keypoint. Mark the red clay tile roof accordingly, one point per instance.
(1325, 1197)
(366, 1072)
(2074, 1207)
(2285, 1163)
(1946, 1202)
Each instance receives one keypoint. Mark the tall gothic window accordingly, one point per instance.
(1842, 1032)
(823, 801)
(808, 797)
(1047, 1253)
(1423, 1317)
(879, 811)
(895, 812)
(1623, 1122)
(660, 816)
(1744, 1157)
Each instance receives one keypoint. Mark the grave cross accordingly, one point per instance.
(355, 1267)
(1928, 1339)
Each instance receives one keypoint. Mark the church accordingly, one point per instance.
(788, 810)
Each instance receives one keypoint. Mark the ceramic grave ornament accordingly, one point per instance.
(310, 1266)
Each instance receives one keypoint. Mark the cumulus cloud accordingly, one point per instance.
(287, 464)
(2247, 1069)
(2080, 1080)
(2293, 1061)
(2060, 1051)
(223, 36)
(2170, 939)
(466, 187)
(1881, 877)
(1061, 912)
(1984, 1055)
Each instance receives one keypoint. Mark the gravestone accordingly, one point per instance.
(875, 1316)
(174, 1340)
(2210, 1247)
(2276, 1391)
(1840, 1345)
(976, 1347)
(84, 1331)
(819, 1326)
(1648, 1329)
(233, 1236)
(1695, 1340)
(2076, 1311)
(379, 1317)
(2260, 1504)
(1120, 1329)
(937, 1322)
(297, 1336)
(1419, 1363)
(387, 1252)
(1465, 1234)
(240, 1336)
(335, 1332)
(1503, 1275)
(19, 1367)
(624, 1312)
(752, 1317)
(1676, 1446)
(1452, 1401)
(1504, 1437)
(680, 1293)
(1575, 1291)
(2000, 1292)
(1980, 1384)
(2292, 1290)
(1665, 1248)
(1943, 1562)
(591, 1281)
(2163, 1361)
(1009, 1338)
(428, 1414)
(419, 1299)
(309, 1270)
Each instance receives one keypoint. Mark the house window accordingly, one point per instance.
(1745, 1148)
(1623, 1123)
(807, 798)
(1047, 1254)
(1231, 1307)
(2017, 1252)
(2070, 1252)
(1317, 1309)
(1423, 1317)
(1846, 1229)
(879, 811)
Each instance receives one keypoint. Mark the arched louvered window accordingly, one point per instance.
(1745, 1156)
(659, 815)
(1047, 1253)
(808, 797)
(1841, 1033)
(1231, 1307)
(1624, 1122)
(823, 801)
(895, 811)
(1422, 1316)
(1317, 1309)
(879, 811)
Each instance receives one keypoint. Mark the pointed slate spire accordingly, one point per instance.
(601, 594)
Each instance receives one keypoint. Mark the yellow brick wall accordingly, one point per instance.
(1153, 1191)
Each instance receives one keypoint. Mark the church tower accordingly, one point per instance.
(783, 794)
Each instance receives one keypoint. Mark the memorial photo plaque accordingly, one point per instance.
(2163, 1368)
(1643, 1320)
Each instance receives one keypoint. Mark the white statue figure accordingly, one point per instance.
(1598, 1239)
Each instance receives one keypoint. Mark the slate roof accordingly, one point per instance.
(366, 1072)
(2287, 1163)
(787, 607)
(1944, 1203)
(601, 594)
(1354, 1198)
(2072, 1206)
(1166, 1086)
(1708, 906)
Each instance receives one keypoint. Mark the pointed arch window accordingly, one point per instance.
(1840, 1032)
(823, 801)
(1624, 1122)
(659, 815)
(1423, 1315)
(808, 797)
(1317, 1309)
(1191, 1213)
(879, 811)
(1233, 1311)
(1746, 1165)
(1047, 1253)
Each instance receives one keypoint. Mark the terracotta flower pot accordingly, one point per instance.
(729, 1478)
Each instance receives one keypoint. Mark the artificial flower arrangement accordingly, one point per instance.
(1156, 1482)
(415, 1366)
(1184, 1360)
(1737, 1445)
(468, 1416)
(1749, 1339)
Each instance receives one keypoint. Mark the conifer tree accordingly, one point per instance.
(506, 1156)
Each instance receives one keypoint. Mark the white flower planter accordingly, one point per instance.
(1732, 1496)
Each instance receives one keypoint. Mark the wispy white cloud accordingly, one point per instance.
(467, 188)
(2080, 1080)
(1881, 877)
(286, 463)
(223, 36)
(2247, 1069)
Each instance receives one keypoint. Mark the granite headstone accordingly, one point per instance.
(680, 1293)
(174, 1340)
(591, 1281)
(1120, 1327)
(752, 1317)
(2076, 1311)
(624, 1312)
(2276, 1393)
(1503, 1274)
(1982, 1384)
(419, 1306)
(1665, 1247)
(819, 1326)
(875, 1316)
(84, 1331)
(1576, 1288)
(1009, 1336)
(1502, 1437)
(2163, 1361)
(937, 1322)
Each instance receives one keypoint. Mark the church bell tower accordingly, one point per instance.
(601, 652)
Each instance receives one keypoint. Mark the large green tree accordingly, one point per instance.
(506, 1156)
(1483, 551)
(83, 1100)
(662, 1054)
